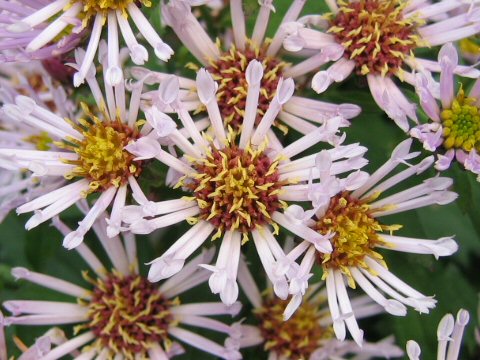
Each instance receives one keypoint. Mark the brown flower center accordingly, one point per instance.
(375, 35)
(229, 71)
(236, 189)
(127, 314)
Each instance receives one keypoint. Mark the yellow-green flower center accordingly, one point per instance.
(42, 141)
(375, 34)
(128, 315)
(461, 124)
(296, 338)
(356, 234)
(102, 158)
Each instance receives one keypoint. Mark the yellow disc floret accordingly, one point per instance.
(296, 338)
(355, 234)
(102, 158)
(42, 141)
(94, 7)
(461, 124)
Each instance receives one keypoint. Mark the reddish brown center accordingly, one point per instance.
(236, 188)
(229, 72)
(375, 34)
(127, 314)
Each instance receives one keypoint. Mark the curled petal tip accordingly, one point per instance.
(285, 90)
(463, 317)
(114, 75)
(169, 89)
(163, 51)
(78, 79)
(20, 273)
(72, 240)
(139, 54)
(206, 86)
(445, 327)
(413, 350)
(254, 72)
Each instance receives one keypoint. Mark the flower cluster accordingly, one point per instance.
(246, 182)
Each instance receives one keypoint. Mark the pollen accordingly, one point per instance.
(236, 189)
(296, 338)
(128, 315)
(461, 124)
(42, 141)
(375, 35)
(101, 156)
(356, 234)
(229, 71)
(94, 7)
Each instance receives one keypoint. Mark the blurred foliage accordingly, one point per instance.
(453, 281)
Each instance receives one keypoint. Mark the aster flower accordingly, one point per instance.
(228, 67)
(120, 313)
(89, 153)
(351, 221)
(34, 26)
(240, 186)
(449, 336)
(32, 80)
(13, 41)
(35, 80)
(308, 334)
(453, 129)
(378, 40)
